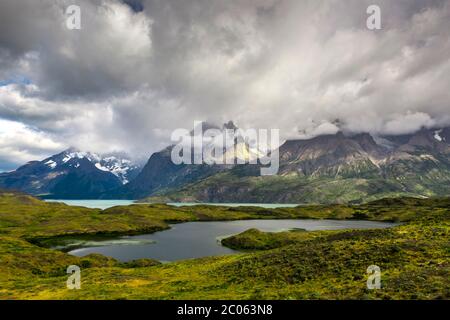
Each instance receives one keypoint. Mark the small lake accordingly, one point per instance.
(200, 239)
(105, 204)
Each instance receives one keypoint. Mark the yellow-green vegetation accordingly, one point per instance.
(413, 257)
(253, 239)
(240, 185)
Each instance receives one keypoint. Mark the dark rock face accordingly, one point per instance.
(331, 155)
(161, 173)
(357, 165)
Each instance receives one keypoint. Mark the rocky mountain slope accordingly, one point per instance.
(71, 174)
(332, 168)
(325, 169)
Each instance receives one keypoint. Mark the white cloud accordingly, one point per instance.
(20, 144)
(409, 123)
(127, 79)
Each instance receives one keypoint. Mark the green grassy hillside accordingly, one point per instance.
(414, 257)
(229, 187)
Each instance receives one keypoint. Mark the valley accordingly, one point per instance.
(323, 264)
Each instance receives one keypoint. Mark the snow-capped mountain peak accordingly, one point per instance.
(120, 167)
(123, 168)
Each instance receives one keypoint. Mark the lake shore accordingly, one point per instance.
(105, 204)
(327, 266)
(190, 240)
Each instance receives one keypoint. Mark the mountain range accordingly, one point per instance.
(336, 168)
(72, 174)
(326, 169)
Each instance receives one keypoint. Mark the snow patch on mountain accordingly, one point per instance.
(52, 164)
(437, 136)
(100, 167)
(118, 166)
(81, 155)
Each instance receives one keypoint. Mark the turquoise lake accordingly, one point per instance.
(105, 204)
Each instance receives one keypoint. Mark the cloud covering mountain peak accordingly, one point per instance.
(137, 70)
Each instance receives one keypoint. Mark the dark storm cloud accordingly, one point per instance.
(136, 5)
(138, 69)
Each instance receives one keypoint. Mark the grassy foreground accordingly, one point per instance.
(414, 257)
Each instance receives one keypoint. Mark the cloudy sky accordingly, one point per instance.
(137, 70)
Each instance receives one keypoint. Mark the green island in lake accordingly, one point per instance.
(413, 254)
